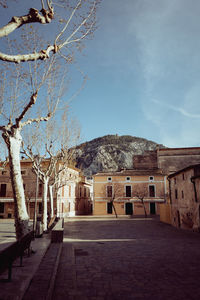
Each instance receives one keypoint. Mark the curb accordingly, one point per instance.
(53, 277)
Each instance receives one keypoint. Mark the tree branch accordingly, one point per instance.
(36, 120)
(33, 16)
(42, 55)
(46, 17)
(68, 40)
(29, 105)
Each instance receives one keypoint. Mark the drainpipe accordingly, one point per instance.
(165, 189)
(170, 196)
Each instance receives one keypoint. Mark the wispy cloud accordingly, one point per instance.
(167, 34)
(177, 109)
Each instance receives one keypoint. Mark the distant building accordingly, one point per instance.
(171, 160)
(185, 197)
(84, 204)
(130, 191)
(71, 197)
(146, 161)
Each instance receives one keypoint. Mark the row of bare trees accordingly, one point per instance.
(140, 192)
(37, 55)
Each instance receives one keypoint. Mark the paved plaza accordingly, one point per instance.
(128, 259)
(107, 258)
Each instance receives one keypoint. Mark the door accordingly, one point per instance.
(179, 219)
(129, 208)
(3, 190)
(152, 208)
(109, 208)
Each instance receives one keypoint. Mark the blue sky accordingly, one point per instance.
(144, 72)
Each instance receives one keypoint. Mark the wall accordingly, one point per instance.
(184, 205)
(146, 161)
(165, 213)
(66, 197)
(174, 159)
(119, 182)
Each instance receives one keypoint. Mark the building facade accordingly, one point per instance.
(185, 197)
(129, 192)
(171, 160)
(66, 195)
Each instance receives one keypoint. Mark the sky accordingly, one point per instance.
(144, 72)
(143, 69)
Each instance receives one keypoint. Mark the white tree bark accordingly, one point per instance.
(13, 141)
(57, 205)
(44, 215)
(51, 200)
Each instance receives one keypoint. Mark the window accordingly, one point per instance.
(128, 190)
(3, 172)
(23, 172)
(1, 207)
(40, 189)
(85, 192)
(176, 194)
(128, 178)
(40, 208)
(109, 191)
(175, 180)
(183, 176)
(109, 178)
(3, 190)
(151, 190)
(151, 178)
(182, 193)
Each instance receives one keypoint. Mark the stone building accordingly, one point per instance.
(185, 197)
(171, 160)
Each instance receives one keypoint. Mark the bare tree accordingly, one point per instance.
(58, 137)
(114, 191)
(64, 175)
(73, 21)
(21, 86)
(141, 191)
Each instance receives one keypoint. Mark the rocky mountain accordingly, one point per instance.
(110, 153)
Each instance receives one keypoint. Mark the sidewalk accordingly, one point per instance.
(42, 283)
(22, 276)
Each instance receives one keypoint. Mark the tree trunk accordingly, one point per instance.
(51, 200)
(13, 141)
(145, 212)
(114, 208)
(44, 213)
(57, 205)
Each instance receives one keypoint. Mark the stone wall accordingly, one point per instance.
(174, 159)
(146, 161)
